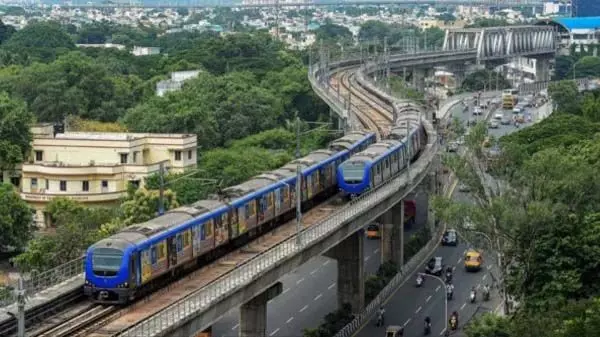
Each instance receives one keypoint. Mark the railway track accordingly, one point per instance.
(79, 325)
(372, 113)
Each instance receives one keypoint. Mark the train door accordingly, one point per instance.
(307, 187)
(233, 223)
(172, 244)
(242, 220)
(134, 275)
(278, 200)
(262, 208)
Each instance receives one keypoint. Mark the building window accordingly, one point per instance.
(34, 183)
(135, 183)
(39, 155)
(135, 157)
(63, 185)
(104, 184)
(177, 155)
(123, 158)
(189, 154)
(47, 184)
(85, 186)
(16, 181)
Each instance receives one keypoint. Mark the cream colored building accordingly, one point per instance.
(95, 168)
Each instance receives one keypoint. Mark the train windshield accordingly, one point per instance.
(106, 261)
(353, 172)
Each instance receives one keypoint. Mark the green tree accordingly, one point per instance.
(15, 136)
(42, 41)
(566, 96)
(142, 205)
(332, 32)
(16, 222)
(484, 79)
(6, 31)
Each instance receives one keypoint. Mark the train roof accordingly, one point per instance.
(203, 206)
(376, 150)
(157, 225)
(348, 141)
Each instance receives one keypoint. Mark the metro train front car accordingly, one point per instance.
(353, 177)
(107, 275)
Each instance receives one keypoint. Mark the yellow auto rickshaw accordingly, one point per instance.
(394, 331)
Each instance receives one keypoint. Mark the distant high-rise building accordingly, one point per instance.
(583, 8)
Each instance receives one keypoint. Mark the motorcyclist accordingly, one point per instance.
(486, 291)
(420, 280)
(380, 317)
(449, 290)
(454, 320)
(427, 325)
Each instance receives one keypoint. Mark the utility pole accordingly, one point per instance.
(21, 309)
(161, 191)
(298, 186)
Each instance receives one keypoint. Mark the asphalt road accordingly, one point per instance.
(310, 292)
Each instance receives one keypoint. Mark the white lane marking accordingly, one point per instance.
(437, 289)
(367, 258)
(314, 271)
(442, 332)
(418, 309)
(463, 306)
(317, 297)
(285, 290)
(459, 259)
(484, 277)
(300, 281)
(331, 286)
(326, 262)
(376, 251)
(274, 332)
(428, 298)
(304, 308)
(489, 267)
(235, 326)
(407, 321)
(289, 320)
(478, 286)
(454, 268)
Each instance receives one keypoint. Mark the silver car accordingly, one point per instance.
(494, 125)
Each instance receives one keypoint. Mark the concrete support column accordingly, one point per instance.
(419, 79)
(350, 260)
(542, 69)
(253, 314)
(392, 235)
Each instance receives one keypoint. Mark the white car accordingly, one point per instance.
(499, 116)
(477, 111)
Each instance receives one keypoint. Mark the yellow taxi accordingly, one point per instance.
(473, 260)
(373, 231)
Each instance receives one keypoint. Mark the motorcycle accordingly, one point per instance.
(419, 281)
(448, 277)
(449, 294)
(472, 296)
(427, 328)
(379, 320)
(453, 323)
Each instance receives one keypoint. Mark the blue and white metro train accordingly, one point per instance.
(372, 167)
(141, 257)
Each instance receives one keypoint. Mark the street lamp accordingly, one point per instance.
(445, 298)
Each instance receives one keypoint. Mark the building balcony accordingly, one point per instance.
(46, 196)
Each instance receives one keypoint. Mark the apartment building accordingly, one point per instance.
(95, 168)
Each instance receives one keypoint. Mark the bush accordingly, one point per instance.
(417, 241)
(333, 323)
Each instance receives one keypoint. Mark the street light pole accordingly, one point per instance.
(298, 186)
(445, 298)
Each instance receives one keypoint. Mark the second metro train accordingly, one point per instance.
(140, 257)
(374, 166)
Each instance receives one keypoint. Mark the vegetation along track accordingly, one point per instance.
(374, 114)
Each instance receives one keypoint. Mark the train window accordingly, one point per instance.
(179, 242)
(208, 228)
(162, 251)
(271, 199)
(186, 238)
(387, 163)
(377, 169)
(106, 260)
(153, 254)
(247, 210)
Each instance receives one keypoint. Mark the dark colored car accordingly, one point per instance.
(435, 266)
(450, 238)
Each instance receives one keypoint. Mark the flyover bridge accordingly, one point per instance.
(345, 87)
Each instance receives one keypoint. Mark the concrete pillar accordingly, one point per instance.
(542, 69)
(392, 235)
(419, 79)
(350, 260)
(253, 314)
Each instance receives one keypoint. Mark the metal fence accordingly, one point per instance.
(38, 282)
